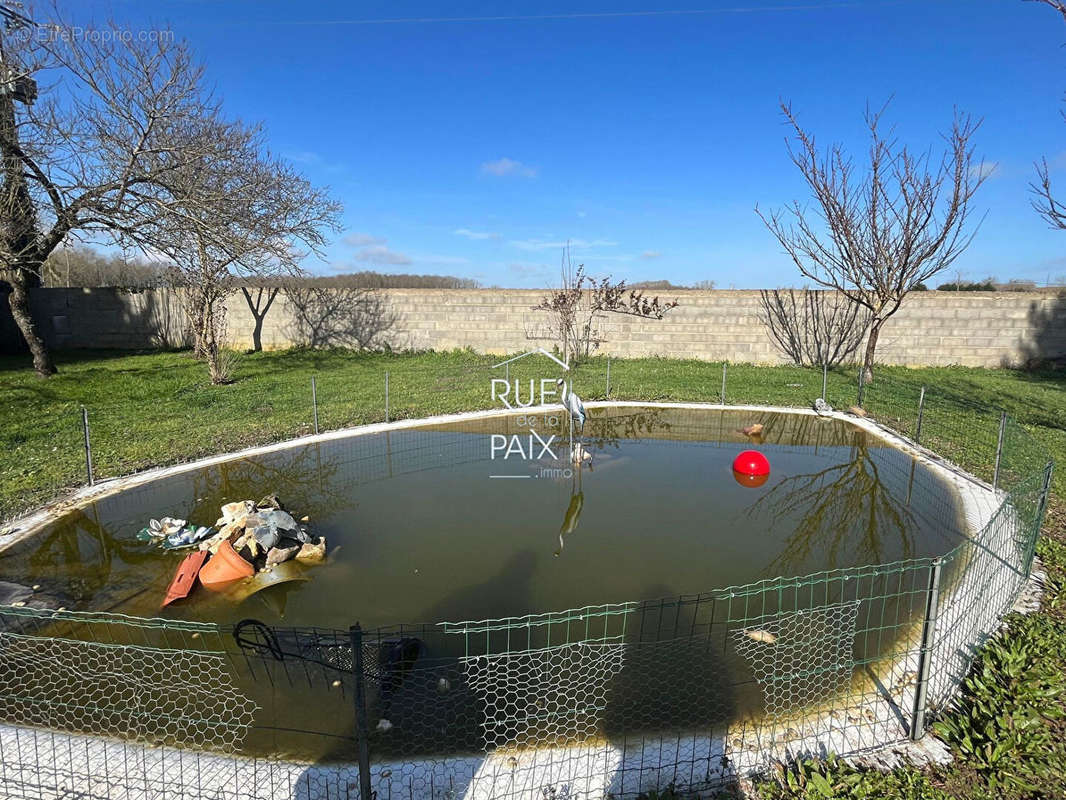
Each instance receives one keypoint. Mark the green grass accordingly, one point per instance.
(157, 408)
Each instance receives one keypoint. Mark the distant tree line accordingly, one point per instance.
(667, 286)
(378, 280)
(83, 266)
(988, 285)
(86, 267)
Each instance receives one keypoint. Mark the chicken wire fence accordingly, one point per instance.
(611, 700)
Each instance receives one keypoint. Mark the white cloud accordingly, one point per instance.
(985, 169)
(527, 269)
(476, 235)
(534, 245)
(508, 166)
(650, 254)
(362, 239)
(380, 254)
(303, 157)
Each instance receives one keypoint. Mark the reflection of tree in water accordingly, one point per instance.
(603, 431)
(844, 506)
(303, 479)
(802, 430)
(93, 560)
(77, 555)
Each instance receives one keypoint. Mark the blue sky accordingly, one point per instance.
(477, 147)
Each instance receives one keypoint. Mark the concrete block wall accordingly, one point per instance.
(932, 328)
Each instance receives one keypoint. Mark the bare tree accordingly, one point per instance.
(329, 317)
(237, 212)
(581, 301)
(821, 327)
(874, 237)
(96, 152)
(1043, 199)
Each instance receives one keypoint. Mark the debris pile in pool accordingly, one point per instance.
(249, 541)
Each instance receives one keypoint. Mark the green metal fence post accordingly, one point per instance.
(925, 655)
(1038, 523)
(862, 389)
(999, 448)
(608, 394)
(362, 727)
(725, 364)
(386, 396)
(314, 402)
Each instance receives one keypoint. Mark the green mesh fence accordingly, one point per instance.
(690, 691)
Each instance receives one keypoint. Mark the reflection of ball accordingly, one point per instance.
(750, 481)
(751, 462)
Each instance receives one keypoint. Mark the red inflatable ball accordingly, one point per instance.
(751, 468)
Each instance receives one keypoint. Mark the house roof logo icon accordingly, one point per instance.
(533, 352)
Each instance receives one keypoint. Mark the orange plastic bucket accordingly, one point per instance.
(224, 568)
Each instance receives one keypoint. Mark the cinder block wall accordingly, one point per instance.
(932, 328)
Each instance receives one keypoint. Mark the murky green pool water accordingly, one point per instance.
(426, 524)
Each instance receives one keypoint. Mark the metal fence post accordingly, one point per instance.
(925, 656)
(362, 727)
(608, 394)
(88, 446)
(921, 410)
(1038, 523)
(825, 378)
(386, 396)
(862, 388)
(724, 365)
(314, 402)
(999, 448)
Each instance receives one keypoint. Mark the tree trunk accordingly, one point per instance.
(259, 314)
(257, 334)
(18, 237)
(871, 347)
(19, 301)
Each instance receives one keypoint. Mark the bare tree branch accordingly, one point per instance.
(875, 236)
(1043, 199)
(1058, 5)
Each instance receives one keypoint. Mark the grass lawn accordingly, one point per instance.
(152, 409)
